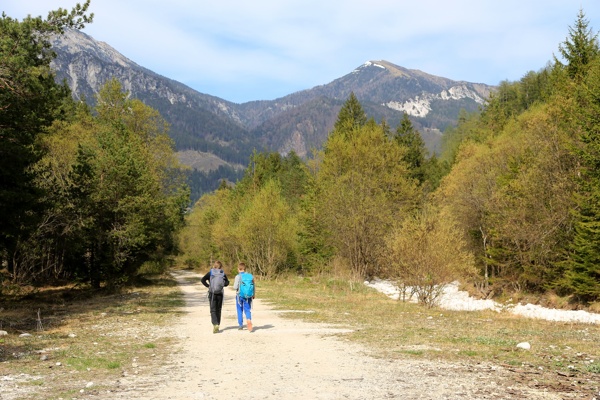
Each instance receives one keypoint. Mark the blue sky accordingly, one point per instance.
(265, 49)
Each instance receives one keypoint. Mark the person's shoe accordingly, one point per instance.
(249, 326)
(215, 328)
(240, 328)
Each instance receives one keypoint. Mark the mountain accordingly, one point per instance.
(300, 121)
(198, 121)
(303, 120)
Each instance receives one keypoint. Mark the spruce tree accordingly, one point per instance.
(408, 137)
(351, 115)
(583, 265)
(579, 48)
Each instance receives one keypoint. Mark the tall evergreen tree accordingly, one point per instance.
(351, 116)
(408, 137)
(583, 265)
(579, 48)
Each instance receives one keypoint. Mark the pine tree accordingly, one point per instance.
(408, 137)
(580, 48)
(351, 116)
(583, 265)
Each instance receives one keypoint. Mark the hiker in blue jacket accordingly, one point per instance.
(215, 280)
(244, 293)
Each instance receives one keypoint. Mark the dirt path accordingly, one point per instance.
(290, 359)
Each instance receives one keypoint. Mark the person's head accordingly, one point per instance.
(241, 267)
(218, 265)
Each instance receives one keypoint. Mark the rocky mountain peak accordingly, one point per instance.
(298, 122)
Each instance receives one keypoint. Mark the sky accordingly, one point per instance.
(265, 49)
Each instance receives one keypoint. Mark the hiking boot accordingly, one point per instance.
(215, 328)
(249, 326)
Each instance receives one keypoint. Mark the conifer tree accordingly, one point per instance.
(580, 48)
(408, 137)
(583, 264)
(351, 116)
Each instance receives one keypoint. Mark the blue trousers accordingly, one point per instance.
(243, 306)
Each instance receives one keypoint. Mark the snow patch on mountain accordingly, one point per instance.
(368, 64)
(420, 106)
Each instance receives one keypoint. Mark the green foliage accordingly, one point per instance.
(363, 187)
(97, 194)
(416, 153)
(582, 276)
(426, 171)
(30, 101)
(201, 182)
(579, 49)
(516, 169)
(266, 230)
(515, 192)
(255, 221)
(114, 194)
(427, 252)
(136, 201)
(314, 249)
(351, 116)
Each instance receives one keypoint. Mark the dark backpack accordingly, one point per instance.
(246, 290)
(217, 281)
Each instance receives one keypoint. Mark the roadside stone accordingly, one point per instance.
(524, 346)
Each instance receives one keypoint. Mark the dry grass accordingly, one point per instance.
(126, 334)
(394, 329)
(86, 337)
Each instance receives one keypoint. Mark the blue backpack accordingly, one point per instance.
(246, 286)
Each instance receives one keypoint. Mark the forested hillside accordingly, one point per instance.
(511, 206)
(86, 195)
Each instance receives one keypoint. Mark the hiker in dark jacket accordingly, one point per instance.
(215, 280)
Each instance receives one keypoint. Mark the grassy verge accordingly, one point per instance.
(561, 353)
(84, 342)
(105, 339)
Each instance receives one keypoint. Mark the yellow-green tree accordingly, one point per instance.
(363, 190)
(116, 191)
(512, 193)
(427, 252)
(267, 232)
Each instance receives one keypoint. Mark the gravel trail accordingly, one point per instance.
(291, 359)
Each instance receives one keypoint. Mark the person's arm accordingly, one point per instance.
(225, 280)
(205, 279)
(236, 283)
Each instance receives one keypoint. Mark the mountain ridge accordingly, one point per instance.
(296, 122)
